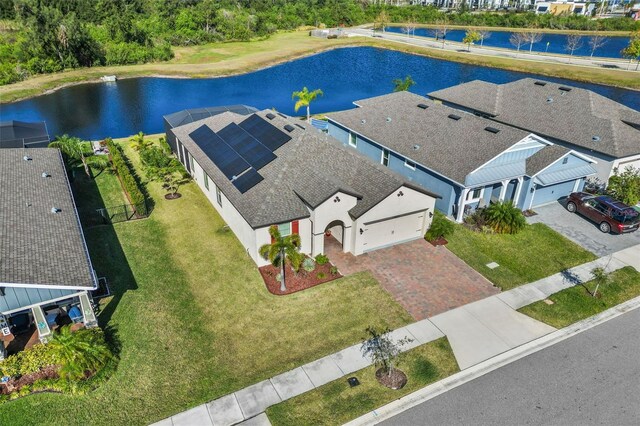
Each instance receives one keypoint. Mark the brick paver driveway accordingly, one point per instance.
(425, 280)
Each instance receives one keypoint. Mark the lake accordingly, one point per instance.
(98, 110)
(557, 42)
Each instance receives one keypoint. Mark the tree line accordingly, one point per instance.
(45, 36)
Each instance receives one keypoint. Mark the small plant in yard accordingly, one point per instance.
(440, 227)
(322, 259)
(600, 278)
(333, 270)
(385, 353)
(504, 217)
(308, 264)
(321, 275)
(281, 249)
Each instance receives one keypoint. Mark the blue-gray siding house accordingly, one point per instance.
(470, 161)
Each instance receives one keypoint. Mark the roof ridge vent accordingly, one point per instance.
(454, 117)
(540, 83)
(289, 128)
(492, 129)
(423, 106)
(564, 88)
(270, 116)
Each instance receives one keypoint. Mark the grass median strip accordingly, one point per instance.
(336, 402)
(576, 303)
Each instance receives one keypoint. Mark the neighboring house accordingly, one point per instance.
(21, 134)
(468, 160)
(45, 269)
(268, 169)
(576, 118)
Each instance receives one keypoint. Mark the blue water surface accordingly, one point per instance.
(98, 110)
(557, 42)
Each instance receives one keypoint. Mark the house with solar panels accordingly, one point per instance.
(46, 275)
(266, 169)
(470, 161)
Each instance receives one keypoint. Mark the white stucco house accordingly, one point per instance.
(267, 169)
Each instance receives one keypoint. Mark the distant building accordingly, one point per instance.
(21, 134)
(565, 7)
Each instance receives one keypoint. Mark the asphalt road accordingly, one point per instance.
(591, 378)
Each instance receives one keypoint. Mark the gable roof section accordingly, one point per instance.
(309, 169)
(544, 158)
(39, 248)
(452, 148)
(576, 116)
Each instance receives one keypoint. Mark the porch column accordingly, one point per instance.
(518, 191)
(318, 244)
(44, 332)
(503, 190)
(89, 317)
(461, 203)
(347, 238)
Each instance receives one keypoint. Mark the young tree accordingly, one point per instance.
(305, 97)
(625, 186)
(471, 36)
(381, 21)
(409, 28)
(383, 351)
(484, 34)
(441, 30)
(517, 39)
(632, 51)
(138, 142)
(403, 85)
(281, 249)
(574, 42)
(76, 151)
(80, 352)
(532, 37)
(504, 217)
(596, 42)
(600, 277)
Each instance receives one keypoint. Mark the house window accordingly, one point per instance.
(219, 196)
(410, 164)
(285, 229)
(565, 160)
(191, 163)
(474, 194)
(352, 140)
(206, 181)
(385, 157)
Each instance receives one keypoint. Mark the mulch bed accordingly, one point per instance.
(172, 196)
(14, 385)
(440, 241)
(396, 380)
(296, 282)
(529, 213)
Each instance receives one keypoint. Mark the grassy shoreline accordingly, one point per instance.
(515, 29)
(225, 59)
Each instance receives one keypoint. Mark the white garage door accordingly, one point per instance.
(392, 231)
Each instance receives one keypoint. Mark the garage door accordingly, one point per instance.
(551, 193)
(392, 231)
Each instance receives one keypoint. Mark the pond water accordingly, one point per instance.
(556, 42)
(97, 110)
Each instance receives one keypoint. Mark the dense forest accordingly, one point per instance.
(44, 36)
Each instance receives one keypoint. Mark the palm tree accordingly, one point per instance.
(80, 352)
(504, 217)
(305, 98)
(281, 249)
(401, 85)
(139, 143)
(76, 150)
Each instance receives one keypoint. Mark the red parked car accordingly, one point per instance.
(609, 214)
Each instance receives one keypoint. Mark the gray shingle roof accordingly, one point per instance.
(579, 117)
(449, 147)
(39, 247)
(544, 157)
(308, 169)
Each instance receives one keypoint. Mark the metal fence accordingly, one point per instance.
(122, 213)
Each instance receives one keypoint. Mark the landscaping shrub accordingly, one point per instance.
(80, 353)
(28, 361)
(504, 217)
(625, 186)
(322, 259)
(309, 265)
(321, 275)
(334, 270)
(440, 227)
(127, 177)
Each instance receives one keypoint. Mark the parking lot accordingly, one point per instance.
(582, 231)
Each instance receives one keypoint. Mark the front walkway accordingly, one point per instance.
(476, 332)
(424, 279)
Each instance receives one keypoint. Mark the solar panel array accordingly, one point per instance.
(241, 150)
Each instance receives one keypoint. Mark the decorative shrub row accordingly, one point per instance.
(121, 164)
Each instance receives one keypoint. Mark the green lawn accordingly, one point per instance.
(195, 320)
(336, 402)
(575, 303)
(534, 253)
(102, 191)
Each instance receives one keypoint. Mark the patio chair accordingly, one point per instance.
(76, 315)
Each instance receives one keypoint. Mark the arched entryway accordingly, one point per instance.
(334, 235)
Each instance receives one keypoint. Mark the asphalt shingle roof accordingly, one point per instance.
(39, 247)
(453, 148)
(577, 116)
(308, 169)
(544, 157)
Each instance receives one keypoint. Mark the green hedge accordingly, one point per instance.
(127, 177)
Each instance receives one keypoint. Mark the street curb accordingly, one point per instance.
(398, 406)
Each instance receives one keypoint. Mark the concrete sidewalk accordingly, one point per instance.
(477, 332)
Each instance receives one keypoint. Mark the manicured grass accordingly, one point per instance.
(576, 303)
(195, 320)
(336, 402)
(534, 253)
(103, 190)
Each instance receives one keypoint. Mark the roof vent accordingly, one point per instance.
(282, 115)
(423, 106)
(363, 121)
(549, 100)
(289, 128)
(595, 138)
(454, 117)
(55, 210)
(492, 130)
(540, 83)
(564, 88)
(301, 126)
(46, 175)
(270, 116)
(416, 147)
(27, 158)
(388, 119)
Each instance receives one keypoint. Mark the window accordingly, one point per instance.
(285, 229)
(565, 160)
(191, 163)
(352, 140)
(385, 157)
(206, 181)
(474, 194)
(410, 164)
(219, 196)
